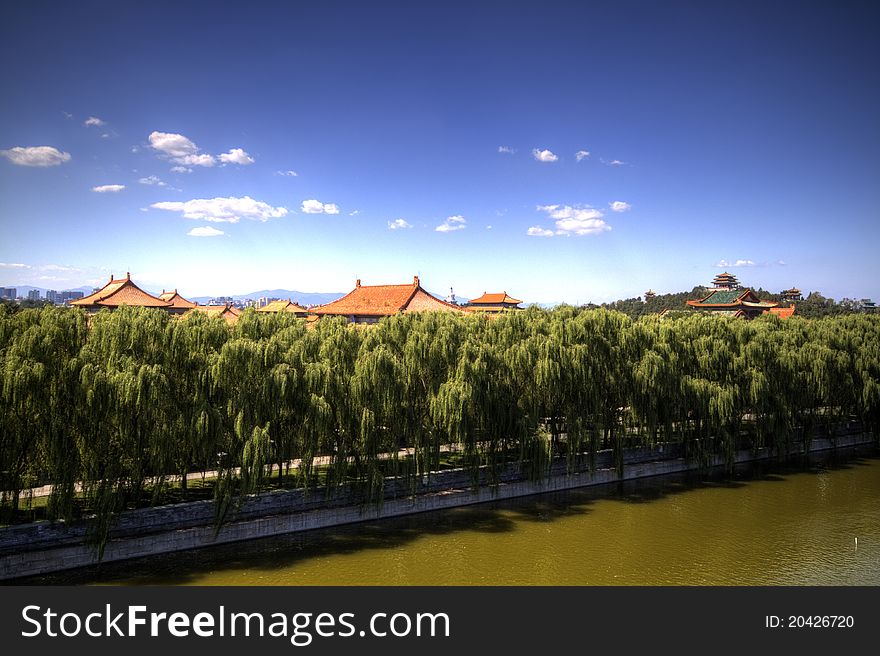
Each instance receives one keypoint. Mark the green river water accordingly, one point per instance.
(815, 523)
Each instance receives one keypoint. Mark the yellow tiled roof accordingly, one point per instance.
(121, 292)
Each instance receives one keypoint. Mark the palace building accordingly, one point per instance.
(285, 306)
(179, 304)
(494, 303)
(650, 294)
(369, 303)
(119, 291)
(729, 299)
(226, 312)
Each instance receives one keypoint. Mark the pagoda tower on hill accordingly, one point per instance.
(793, 294)
(725, 281)
(729, 299)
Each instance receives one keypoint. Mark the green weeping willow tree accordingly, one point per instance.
(124, 416)
(117, 410)
(40, 394)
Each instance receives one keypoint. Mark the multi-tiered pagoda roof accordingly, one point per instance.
(725, 281)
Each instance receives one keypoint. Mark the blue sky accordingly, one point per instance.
(740, 136)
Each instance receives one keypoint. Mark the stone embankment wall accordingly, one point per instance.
(44, 547)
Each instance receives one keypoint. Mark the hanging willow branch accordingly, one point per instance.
(130, 402)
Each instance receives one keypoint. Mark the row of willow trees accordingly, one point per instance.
(118, 402)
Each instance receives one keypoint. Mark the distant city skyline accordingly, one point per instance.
(563, 152)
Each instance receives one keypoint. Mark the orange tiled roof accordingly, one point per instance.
(384, 300)
(782, 312)
(226, 312)
(176, 300)
(283, 306)
(495, 299)
(121, 292)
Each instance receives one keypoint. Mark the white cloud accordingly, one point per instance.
(13, 265)
(612, 162)
(354, 212)
(506, 150)
(94, 121)
(619, 206)
(202, 159)
(538, 231)
(59, 267)
(398, 224)
(35, 156)
(581, 154)
(179, 149)
(205, 231)
(152, 180)
(313, 206)
(452, 223)
(111, 188)
(171, 144)
(724, 264)
(288, 174)
(544, 155)
(184, 153)
(236, 156)
(223, 210)
(67, 114)
(572, 220)
(135, 149)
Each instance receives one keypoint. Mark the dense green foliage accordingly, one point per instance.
(814, 306)
(123, 400)
(636, 307)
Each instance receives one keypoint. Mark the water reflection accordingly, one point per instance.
(769, 524)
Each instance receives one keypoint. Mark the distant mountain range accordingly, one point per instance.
(303, 298)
